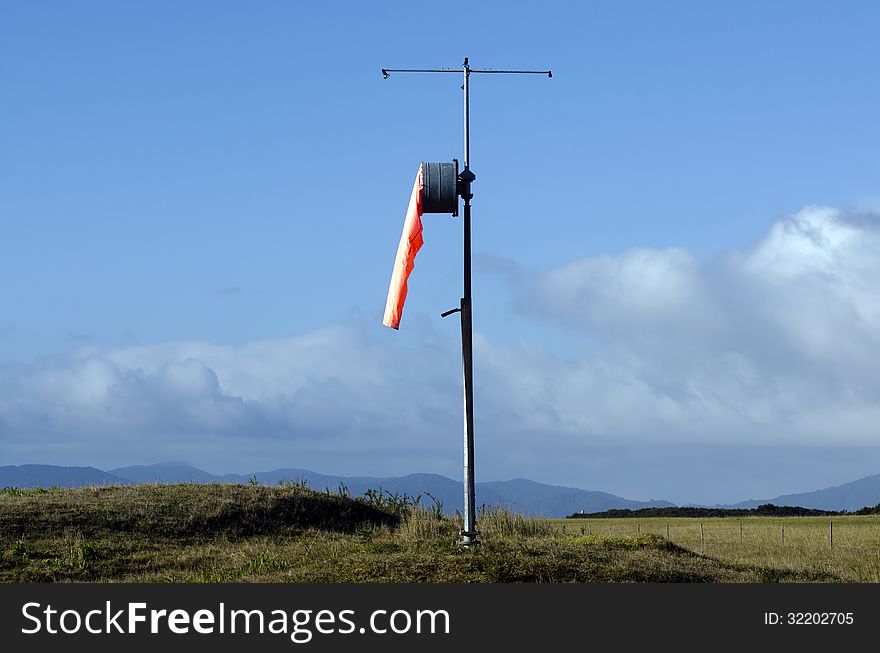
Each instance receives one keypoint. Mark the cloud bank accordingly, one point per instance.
(773, 345)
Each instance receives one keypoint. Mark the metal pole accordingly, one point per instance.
(467, 117)
(469, 533)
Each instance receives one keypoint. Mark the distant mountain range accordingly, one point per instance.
(27, 476)
(521, 495)
(849, 496)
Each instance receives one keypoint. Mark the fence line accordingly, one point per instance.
(711, 535)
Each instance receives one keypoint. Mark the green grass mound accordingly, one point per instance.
(183, 510)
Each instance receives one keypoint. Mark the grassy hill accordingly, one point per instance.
(240, 533)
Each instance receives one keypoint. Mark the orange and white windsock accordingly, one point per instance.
(410, 243)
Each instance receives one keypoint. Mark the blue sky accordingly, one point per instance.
(674, 231)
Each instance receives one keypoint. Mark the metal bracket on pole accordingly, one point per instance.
(450, 312)
(465, 177)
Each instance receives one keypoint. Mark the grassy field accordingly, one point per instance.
(235, 533)
(806, 548)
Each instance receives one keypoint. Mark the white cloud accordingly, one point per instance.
(773, 345)
(328, 390)
(624, 291)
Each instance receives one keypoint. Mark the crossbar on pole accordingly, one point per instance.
(386, 72)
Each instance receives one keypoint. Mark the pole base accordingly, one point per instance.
(468, 538)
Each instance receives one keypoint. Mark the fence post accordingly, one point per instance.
(638, 529)
(831, 534)
(783, 533)
(563, 529)
(667, 530)
(740, 532)
(583, 529)
(702, 539)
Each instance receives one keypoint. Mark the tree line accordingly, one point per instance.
(764, 510)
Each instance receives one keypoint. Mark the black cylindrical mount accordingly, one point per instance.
(440, 187)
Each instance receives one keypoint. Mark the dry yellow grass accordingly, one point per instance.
(806, 549)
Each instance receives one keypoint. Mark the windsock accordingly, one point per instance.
(410, 243)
